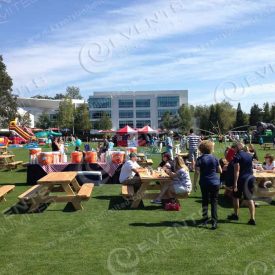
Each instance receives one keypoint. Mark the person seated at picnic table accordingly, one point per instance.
(269, 164)
(180, 183)
(129, 172)
(166, 161)
(252, 151)
(207, 166)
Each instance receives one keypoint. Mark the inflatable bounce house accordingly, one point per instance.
(4, 141)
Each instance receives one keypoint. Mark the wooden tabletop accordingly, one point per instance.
(183, 155)
(3, 147)
(264, 175)
(58, 177)
(145, 174)
(6, 156)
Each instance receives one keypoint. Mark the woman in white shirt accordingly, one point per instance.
(180, 184)
(269, 165)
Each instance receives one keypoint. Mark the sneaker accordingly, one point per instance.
(204, 221)
(233, 217)
(251, 222)
(214, 225)
(156, 201)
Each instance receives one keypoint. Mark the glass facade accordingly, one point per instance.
(143, 114)
(143, 103)
(53, 116)
(163, 111)
(99, 114)
(100, 102)
(168, 101)
(126, 114)
(126, 103)
(142, 123)
(123, 123)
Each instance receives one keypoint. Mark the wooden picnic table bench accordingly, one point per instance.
(146, 184)
(58, 182)
(267, 146)
(7, 161)
(4, 190)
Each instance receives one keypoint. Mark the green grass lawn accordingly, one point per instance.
(102, 239)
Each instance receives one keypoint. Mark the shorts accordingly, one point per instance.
(193, 154)
(180, 189)
(245, 189)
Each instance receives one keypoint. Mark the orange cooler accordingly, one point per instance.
(33, 155)
(45, 158)
(118, 157)
(76, 157)
(91, 157)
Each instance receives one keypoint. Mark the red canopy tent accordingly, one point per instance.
(123, 135)
(147, 130)
(126, 130)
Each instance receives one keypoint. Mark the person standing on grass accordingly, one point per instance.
(243, 183)
(193, 141)
(207, 166)
(169, 144)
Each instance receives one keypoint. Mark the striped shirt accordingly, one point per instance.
(193, 141)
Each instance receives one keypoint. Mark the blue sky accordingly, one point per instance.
(216, 49)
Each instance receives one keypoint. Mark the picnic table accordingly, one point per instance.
(183, 155)
(3, 149)
(148, 176)
(265, 176)
(8, 161)
(145, 162)
(58, 182)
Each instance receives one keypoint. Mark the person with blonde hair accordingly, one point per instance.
(181, 182)
(207, 166)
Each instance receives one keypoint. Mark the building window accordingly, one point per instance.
(168, 101)
(142, 123)
(99, 114)
(143, 114)
(53, 116)
(99, 102)
(123, 123)
(125, 103)
(163, 111)
(143, 103)
(126, 114)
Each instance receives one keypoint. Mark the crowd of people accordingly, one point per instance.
(235, 169)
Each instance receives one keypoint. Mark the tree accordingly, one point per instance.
(81, 118)
(166, 121)
(240, 117)
(73, 92)
(255, 115)
(24, 120)
(201, 114)
(8, 108)
(272, 114)
(105, 123)
(59, 96)
(43, 121)
(185, 115)
(266, 112)
(66, 114)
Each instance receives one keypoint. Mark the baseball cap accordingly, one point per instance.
(132, 155)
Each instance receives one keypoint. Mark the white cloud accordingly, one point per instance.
(116, 62)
